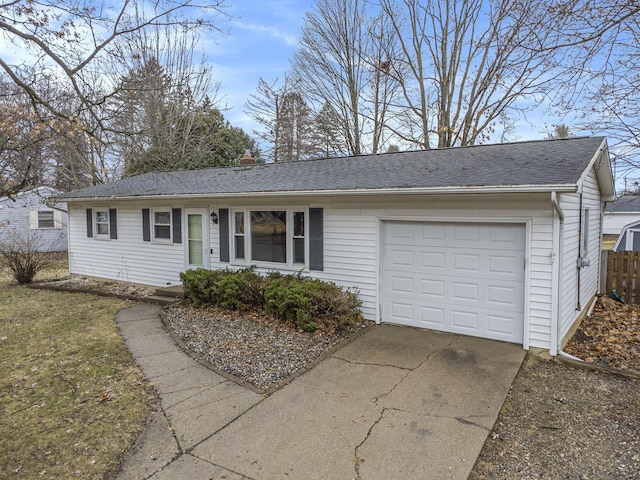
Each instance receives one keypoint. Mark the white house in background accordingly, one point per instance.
(497, 241)
(629, 238)
(621, 212)
(30, 213)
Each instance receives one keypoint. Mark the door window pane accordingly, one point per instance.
(194, 233)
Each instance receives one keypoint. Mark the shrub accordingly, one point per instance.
(308, 301)
(200, 285)
(291, 298)
(20, 254)
(242, 290)
(239, 290)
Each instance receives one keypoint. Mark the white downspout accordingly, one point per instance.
(558, 219)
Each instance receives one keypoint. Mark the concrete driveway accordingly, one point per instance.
(397, 402)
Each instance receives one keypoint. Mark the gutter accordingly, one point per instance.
(556, 256)
(569, 188)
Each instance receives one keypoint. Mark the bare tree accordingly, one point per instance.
(265, 108)
(330, 64)
(605, 86)
(471, 65)
(77, 43)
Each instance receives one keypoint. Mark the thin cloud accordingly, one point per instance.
(289, 39)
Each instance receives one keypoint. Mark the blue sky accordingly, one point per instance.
(261, 38)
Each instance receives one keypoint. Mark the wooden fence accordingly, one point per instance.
(621, 273)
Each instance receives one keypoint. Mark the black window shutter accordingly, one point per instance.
(146, 226)
(113, 224)
(316, 239)
(223, 217)
(176, 219)
(89, 222)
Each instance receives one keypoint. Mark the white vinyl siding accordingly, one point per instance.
(613, 222)
(571, 247)
(128, 258)
(21, 216)
(352, 236)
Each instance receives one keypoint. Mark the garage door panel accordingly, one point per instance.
(464, 320)
(504, 264)
(402, 257)
(402, 312)
(504, 296)
(402, 285)
(500, 325)
(465, 292)
(432, 232)
(436, 261)
(507, 237)
(464, 234)
(467, 279)
(432, 317)
(433, 289)
(466, 262)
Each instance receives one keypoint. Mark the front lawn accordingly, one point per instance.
(72, 401)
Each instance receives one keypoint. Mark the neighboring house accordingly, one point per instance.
(621, 212)
(497, 241)
(629, 238)
(30, 214)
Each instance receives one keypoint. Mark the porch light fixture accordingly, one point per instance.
(214, 218)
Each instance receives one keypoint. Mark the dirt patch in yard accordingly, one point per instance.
(562, 422)
(559, 421)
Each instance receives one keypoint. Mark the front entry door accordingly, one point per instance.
(197, 243)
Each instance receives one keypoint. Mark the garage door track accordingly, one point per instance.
(397, 402)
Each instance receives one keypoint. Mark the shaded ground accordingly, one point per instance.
(562, 422)
(566, 422)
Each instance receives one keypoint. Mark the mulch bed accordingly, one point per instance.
(254, 347)
(610, 337)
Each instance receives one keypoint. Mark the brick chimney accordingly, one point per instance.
(247, 159)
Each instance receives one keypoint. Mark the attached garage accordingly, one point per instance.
(466, 278)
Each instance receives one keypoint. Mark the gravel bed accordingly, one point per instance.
(562, 422)
(251, 346)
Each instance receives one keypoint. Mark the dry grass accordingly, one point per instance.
(72, 401)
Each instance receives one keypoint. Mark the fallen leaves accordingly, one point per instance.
(610, 336)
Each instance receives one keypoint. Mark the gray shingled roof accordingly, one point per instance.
(623, 204)
(533, 163)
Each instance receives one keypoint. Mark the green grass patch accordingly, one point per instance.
(72, 401)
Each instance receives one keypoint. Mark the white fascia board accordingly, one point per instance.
(564, 188)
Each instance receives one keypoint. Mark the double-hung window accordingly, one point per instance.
(238, 235)
(102, 223)
(270, 236)
(162, 225)
(46, 219)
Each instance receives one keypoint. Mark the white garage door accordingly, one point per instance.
(457, 277)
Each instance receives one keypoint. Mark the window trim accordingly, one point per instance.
(248, 254)
(152, 224)
(96, 234)
(586, 227)
(53, 219)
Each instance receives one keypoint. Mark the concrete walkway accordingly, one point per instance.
(395, 403)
